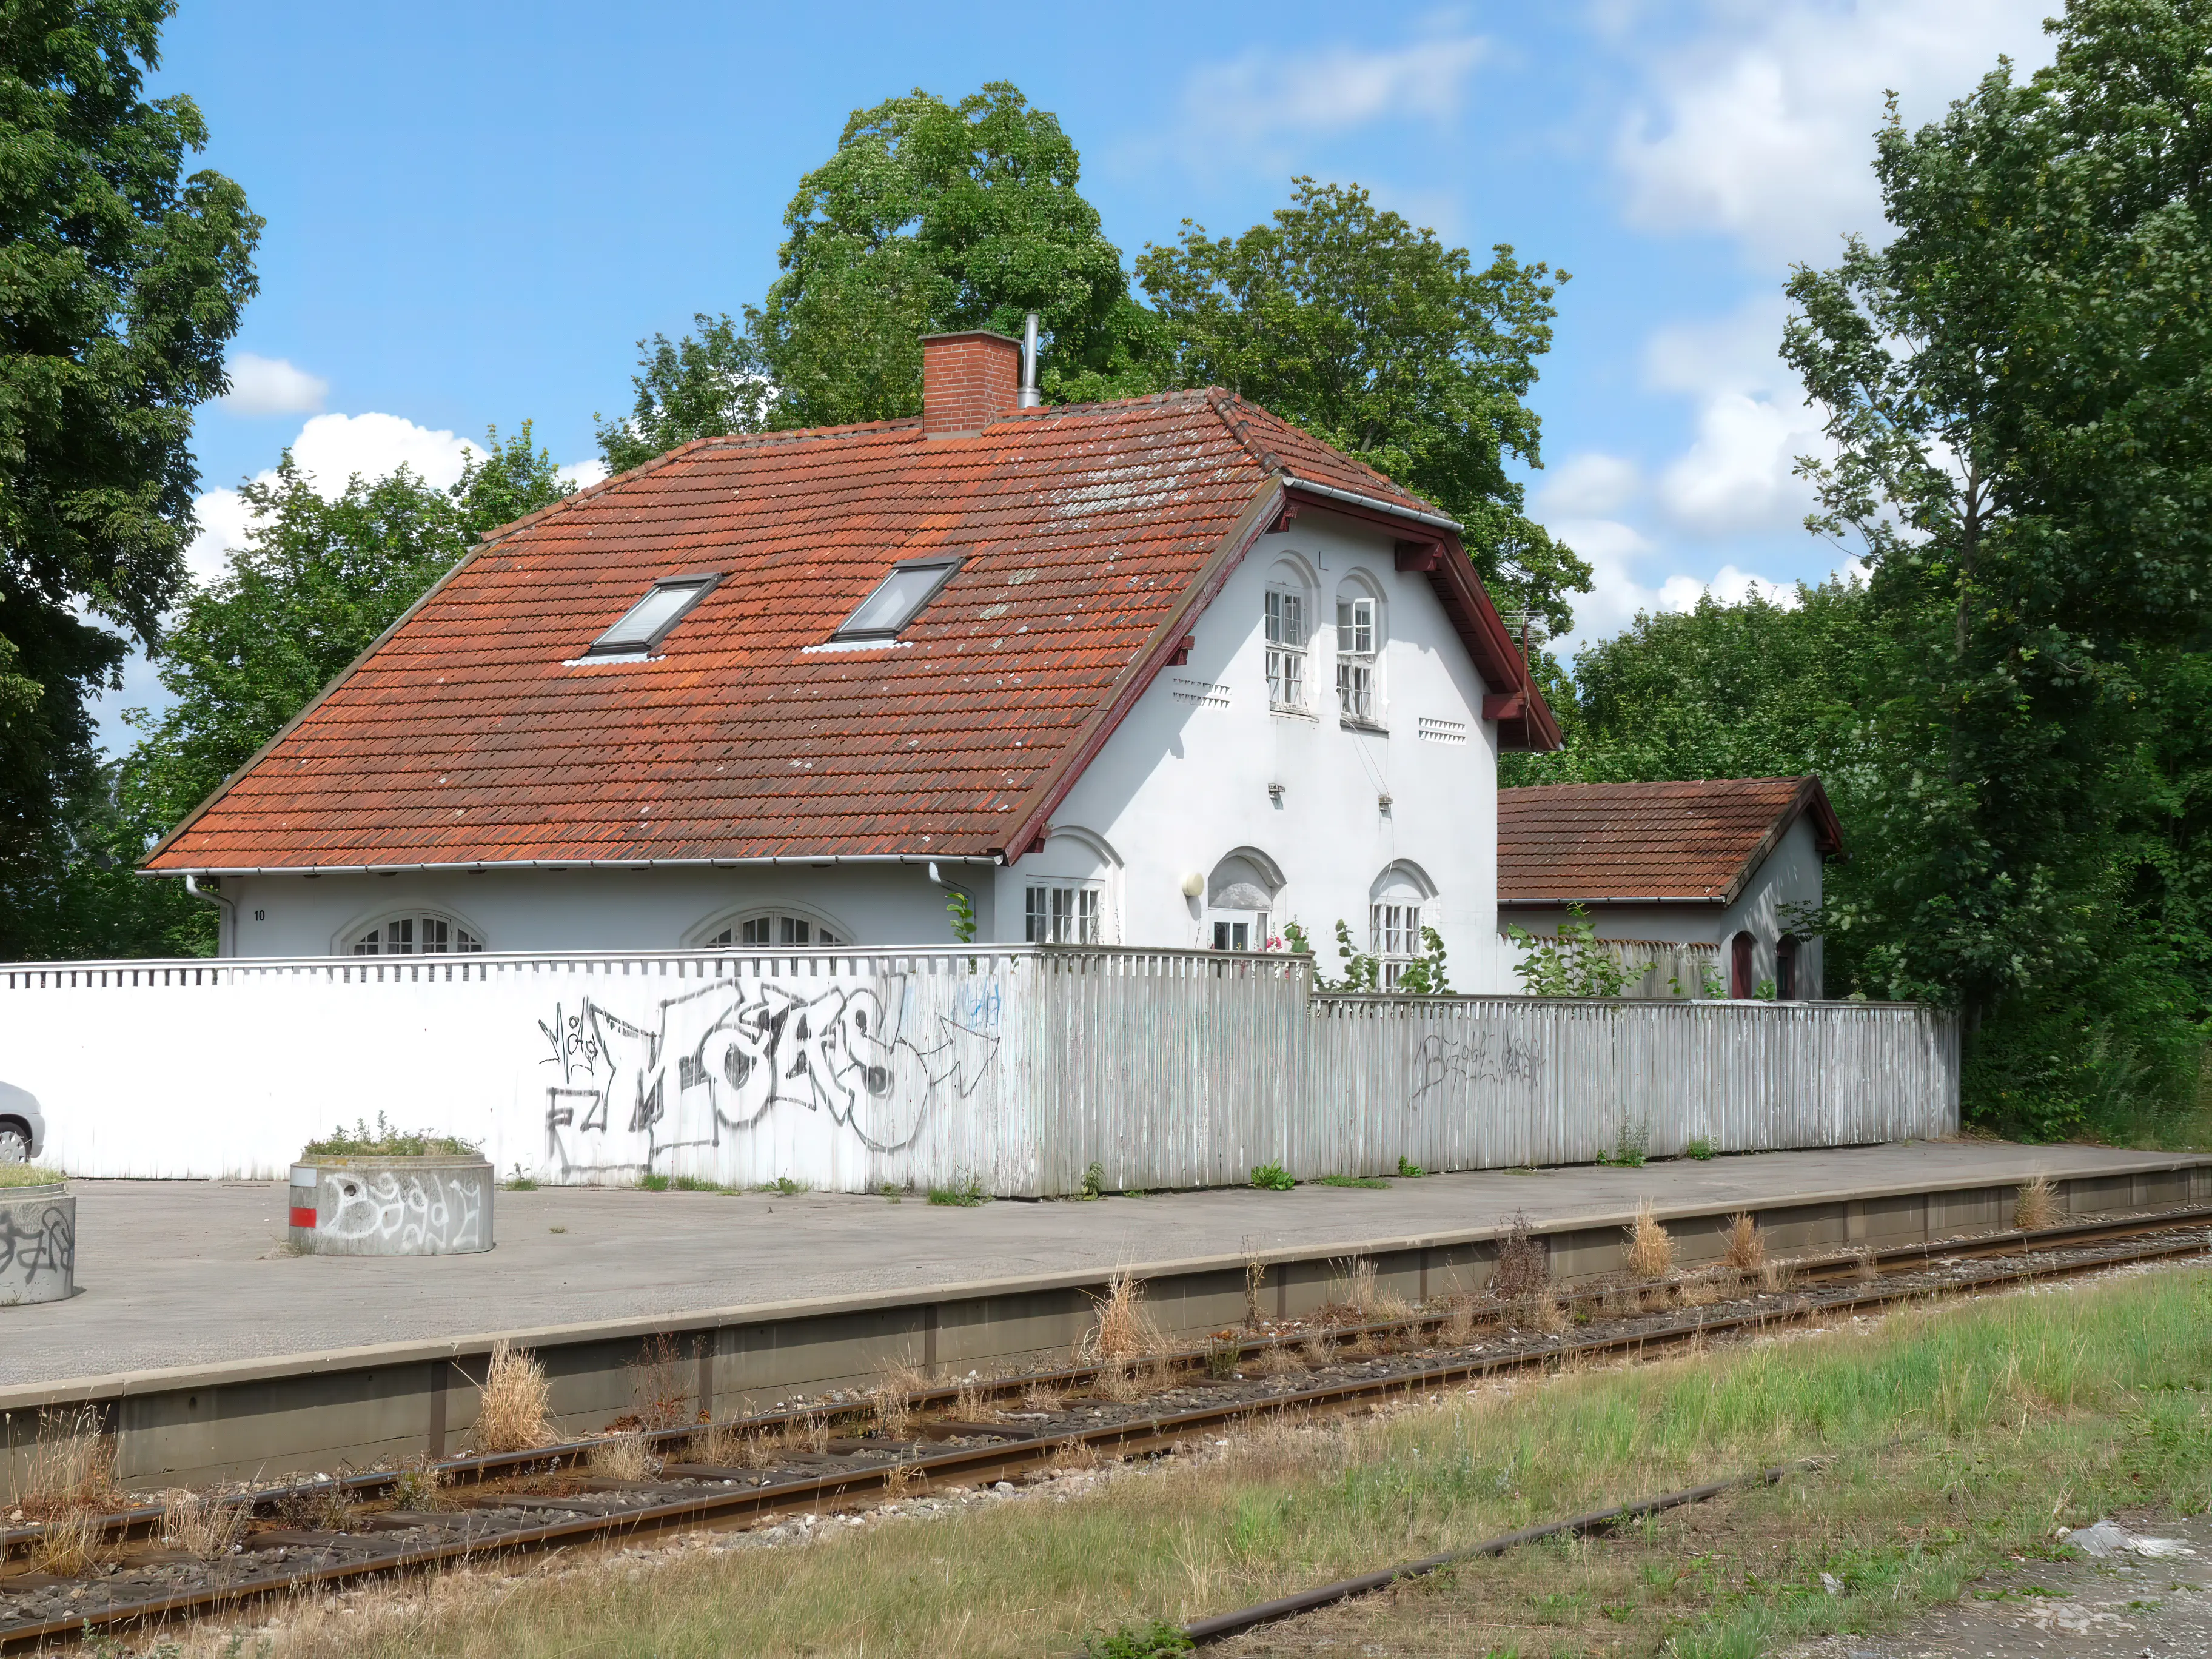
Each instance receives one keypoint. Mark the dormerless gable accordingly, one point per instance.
(479, 731)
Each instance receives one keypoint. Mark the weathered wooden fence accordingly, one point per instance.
(851, 1069)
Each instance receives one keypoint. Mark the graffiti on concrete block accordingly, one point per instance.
(1490, 1057)
(30, 1250)
(410, 1215)
(719, 1059)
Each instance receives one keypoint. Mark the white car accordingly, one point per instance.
(22, 1129)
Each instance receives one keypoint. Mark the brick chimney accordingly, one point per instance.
(968, 381)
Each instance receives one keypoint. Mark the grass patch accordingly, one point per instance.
(1699, 1148)
(1409, 1170)
(785, 1187)
(650, 1182)
(1955, 1437)
(1370, 1182)
(684, 1184)
(1272, 1178)
(388, 1140)
(521, 1181)
(27, 1175)
(965, 1192)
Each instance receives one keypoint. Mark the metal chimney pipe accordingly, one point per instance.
(1029, 399)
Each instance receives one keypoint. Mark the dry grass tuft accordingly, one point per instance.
(72, 1467)
(1042, 1396)
(1276, 1360)
(1774, 1276)
(891, 1400)
(1865, 1268)
(1071, 1455)
(2037, 1205)
(1698, 1293)
(658, 1398)
(1255, 1277)
(1125, 1330)
(1746, 1244)
(203, 1526)
(899, 1480)
(810, 1433)
(1317, 1350)
(1352, 1284)
(1545, 1313)
(1524, 1262)
(1457, 1329)
(1651, 1253)
(1117, 1382)
(1657, 1298)
(512, 1414)
(971, 1400)
(68, 1545)
(621, 1458)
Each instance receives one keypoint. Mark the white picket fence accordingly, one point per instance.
(851, 1069)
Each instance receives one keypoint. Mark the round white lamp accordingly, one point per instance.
(1193, 884)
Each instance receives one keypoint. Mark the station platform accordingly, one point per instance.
(190, 1310)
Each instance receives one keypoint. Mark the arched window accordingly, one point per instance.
(1240, 901)
(1358, 654)
(1739, 966)
(1395, 907)
(420, 932)
(1785, 969)
(778, 928)
(1290, 626)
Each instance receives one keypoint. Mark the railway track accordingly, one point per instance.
(817, 1458)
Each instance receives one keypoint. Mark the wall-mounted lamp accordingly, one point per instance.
(1275, 794)
(1193, 884)
(1382, 804)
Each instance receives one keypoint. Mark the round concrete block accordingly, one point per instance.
(38, 1244)
(392, 1206)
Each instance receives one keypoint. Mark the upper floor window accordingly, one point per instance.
(1063, 913)
(1359, 641)
(1286, 649)
(430, 934)
(777, 927)
(1393, 939)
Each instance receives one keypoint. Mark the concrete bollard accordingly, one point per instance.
(38, 1244)
(392, 1206)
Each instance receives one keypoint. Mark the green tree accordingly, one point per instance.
(930, 218)
(1376, 337)
(316, 583)
(2015, 387)
(124, 278)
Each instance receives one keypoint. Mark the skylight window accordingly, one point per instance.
(647, 623)
(899, 600)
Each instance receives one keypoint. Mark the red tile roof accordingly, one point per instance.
(1091, 536)
(1622, 841)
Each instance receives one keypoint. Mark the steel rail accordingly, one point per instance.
(1016, 1451)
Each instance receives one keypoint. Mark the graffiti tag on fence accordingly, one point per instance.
(1489, 1058)
(720, 1059)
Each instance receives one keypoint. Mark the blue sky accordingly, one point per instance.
(475, 211)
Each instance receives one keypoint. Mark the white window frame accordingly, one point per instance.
(1359, 660)
(1288, 633)
(1393, 936)
(778, 923)
(1061, 910)
(377, 939)
(1225, 926)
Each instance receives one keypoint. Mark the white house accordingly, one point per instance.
(1165, 670)
(1716, 875)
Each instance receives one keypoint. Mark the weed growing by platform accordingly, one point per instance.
(1699, 1148)
(1746, 1244)
(1409, 1170)
(1272, 1178)
(521, 1181)
(1094, 1181)
(650, 1182)
(965, 1191)
(1649, 1254)
(785, 1187)
(511, 1413)
(1370, 1182)
(2036, 1205)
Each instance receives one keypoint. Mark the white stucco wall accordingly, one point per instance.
(1792, 874)
(1182, 783)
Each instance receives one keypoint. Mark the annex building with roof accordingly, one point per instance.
(1163, 671)
(1734, 863)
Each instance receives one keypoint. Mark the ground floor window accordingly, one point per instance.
(1393, 939)
(777, 927)
(1785, 970)
(1062, 912)
(416, 935)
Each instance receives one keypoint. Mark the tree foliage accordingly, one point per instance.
(125, 279)
(1375, 337)
(317, 582)
(2015, 387)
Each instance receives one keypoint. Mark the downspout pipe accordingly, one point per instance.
(226, 912)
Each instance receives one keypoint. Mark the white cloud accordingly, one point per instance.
(1751, 423)
(1762, 128)
(1591, 484)
(271, 386)
(582, 475)
(223, 519)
